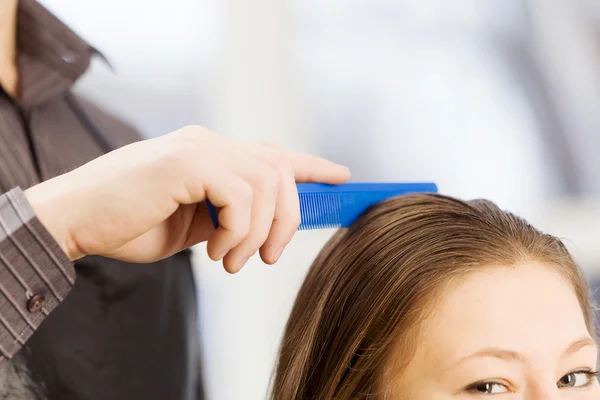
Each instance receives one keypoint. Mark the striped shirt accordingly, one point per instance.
(32, 267)
(99, 328)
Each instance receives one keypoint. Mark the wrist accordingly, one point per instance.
(51, 209)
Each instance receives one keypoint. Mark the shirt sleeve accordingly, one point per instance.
(35, 274)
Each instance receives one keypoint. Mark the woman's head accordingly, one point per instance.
(428, 297)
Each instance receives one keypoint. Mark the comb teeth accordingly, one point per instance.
(338, 206)
(319, 211)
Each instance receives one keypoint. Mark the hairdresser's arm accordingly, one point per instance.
(140, 203)
(35, 274)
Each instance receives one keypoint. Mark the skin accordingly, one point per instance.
(145, 201)
(520, 328)
(9, 76)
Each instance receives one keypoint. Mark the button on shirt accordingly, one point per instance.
(36, 303)
(99, 328)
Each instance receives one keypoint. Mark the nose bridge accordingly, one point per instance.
(543, 391)
(547, 395)
(541, 384)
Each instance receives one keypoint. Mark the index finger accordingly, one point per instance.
(309, 168)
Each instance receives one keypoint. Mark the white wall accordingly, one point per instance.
(162, 52)
(424, 99)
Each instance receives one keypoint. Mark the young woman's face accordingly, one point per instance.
(505, 334)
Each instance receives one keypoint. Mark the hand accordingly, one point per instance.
(144, 202)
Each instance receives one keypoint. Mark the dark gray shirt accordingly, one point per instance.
(99, 328)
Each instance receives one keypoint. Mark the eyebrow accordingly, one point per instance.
(513, 356)
(579, 344)
(495, 352)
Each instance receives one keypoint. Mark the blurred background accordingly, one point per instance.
(494, 99)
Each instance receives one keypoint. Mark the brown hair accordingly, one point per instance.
(373, 284)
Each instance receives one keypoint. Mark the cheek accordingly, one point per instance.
(592, 394)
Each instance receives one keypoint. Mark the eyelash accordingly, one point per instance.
(589, 373)
(473, 387)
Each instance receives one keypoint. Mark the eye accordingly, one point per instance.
(488, 388)
(577, 379)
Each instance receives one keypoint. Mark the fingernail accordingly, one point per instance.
(241, 264)
(278, 253)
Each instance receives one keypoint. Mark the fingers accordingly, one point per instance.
(286, 219)
(265, 183)
(255, 192)
(305, 167)
(234, 196)
(308, 168)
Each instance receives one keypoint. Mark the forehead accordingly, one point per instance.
(528, 308)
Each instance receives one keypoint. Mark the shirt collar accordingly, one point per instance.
(51, 57)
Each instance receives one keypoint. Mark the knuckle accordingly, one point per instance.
(188, 133)
(269, 145)
(269, 180)
(278, 160)
(240, 229)
(241, 205)
(243, 196)
(194, 134)
(178, 155)
(183, 145)
(284, 169)
(240, 232)
(283, 165)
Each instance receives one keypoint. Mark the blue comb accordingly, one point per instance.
(338, 206)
